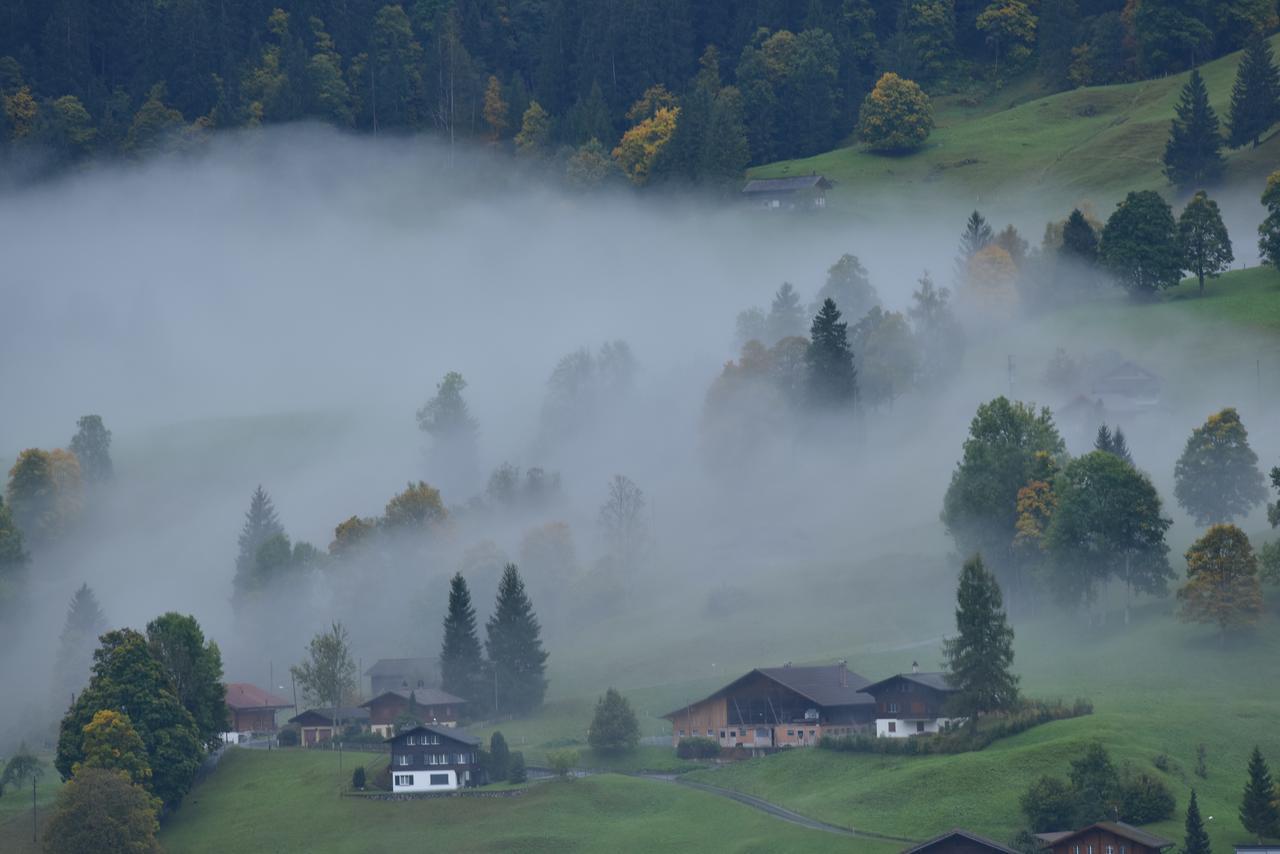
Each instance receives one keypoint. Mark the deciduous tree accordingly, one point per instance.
(111, 743)
(417, 508)
(1269, 228)
(194, 668)
(13, 556)
(1217, 477)
(32, 496)
(849, 286)
(1203, 240)
(328, 675)
(896, 116)
(99, 811)
(1140, 244)
(623, 522)
(1222, 580)
(495, 109)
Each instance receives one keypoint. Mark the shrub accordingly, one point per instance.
(1144, 799)
(561, 762)
(895, 116)
(1049, 805)
(1202, 770)
(614, 728)
(499, 764)
(698, 747)
(1162, 762)
(288, 737)
(357, 778)
(516, 772)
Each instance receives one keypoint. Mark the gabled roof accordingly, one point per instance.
(346, 713)
(1119, 828)
(773, 185)
(458, 735)
(242, 695)
(421, 696)
(825, 685)
(936, 681)
(400, 667)
(964, 834)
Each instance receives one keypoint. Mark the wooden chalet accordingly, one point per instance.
(430, 705)
(317, 725)
(1256, 849)
(434, 759)
(910, 703)
(1126, 388)
(390, 674)
(252, 709)
(957, 841)
(1105, 837)
(773, 707)
(799, 193)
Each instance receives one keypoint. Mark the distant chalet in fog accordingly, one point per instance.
(431, 705)
(911, 703)
(252, 709)
(801, 193)
(778, 707)
(433, 759)
(390, 674)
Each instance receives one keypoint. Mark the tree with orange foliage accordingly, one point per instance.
(1222, 581)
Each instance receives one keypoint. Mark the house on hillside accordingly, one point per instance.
(252, 709)
(431, 706)
(434, 759)
(959, 841)
(801, 193)
(1126, 388)
(317, 725)
(910, 703)
(773, 707)
(390, 674)
(1256, 849)
(1105, 837)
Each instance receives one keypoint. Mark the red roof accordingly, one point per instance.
(242, 695)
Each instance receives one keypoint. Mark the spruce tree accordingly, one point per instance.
(1079, 240)
(1203, 239)
(461, 665)
(515, 648)
(786, 317)
(260, 525)
(1196, 840)
(1193, 154)
(977, 236)
(1255, 96)
(92, 447)
(85, 622)
(499, 758)
(1112, 443)
(1258, 812)
(833, 381)
(980, 655)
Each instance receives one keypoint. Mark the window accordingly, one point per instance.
(791, 732)
(439, 779)
(733, 733)
(722, 733)
(409, 741)
(893, 727)
(709, 733)
(404, 759)
(682, 733)
(893, 708)
(920, 728)
(812, 733)
(1111, 849)
(404, 780)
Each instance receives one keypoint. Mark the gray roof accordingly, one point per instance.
(823, 685)
(972, 837)
(346, 713)
(459, 735)
(401, 667)
(936, 681)
(1119, 828)
(786, 185)
(422, 696)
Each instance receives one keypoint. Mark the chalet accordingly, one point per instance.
(774, 707)
(910, 703)
(317, 725)
(959, 841)
(1105, 837)
(800, 193)
(252, 709)
(390, 674)
(434, 759)
(430, 705)
(1126, 388)
(1256, 849)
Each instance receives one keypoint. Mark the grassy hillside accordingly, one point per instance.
(1094, 143)
(287, 801)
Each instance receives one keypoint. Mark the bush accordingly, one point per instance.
(499, 764)
(363, 738)
(896, 115)
(1144, 799)
(614, 728)
(288, 737)
(357, 778)
(1049, 805)
(561, 762)
(698, 747)
(516, 772)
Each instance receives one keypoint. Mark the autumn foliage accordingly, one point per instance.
(1222, 580)
(896, 116)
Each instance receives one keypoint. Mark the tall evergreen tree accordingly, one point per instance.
(833, 381)
(786, 317)
(1193, 154)
(1112, 443)
(499, 757)
(980, 655)
(260, 525)
(1079, 240)
(85, 622)
(1255, 96)
(1195, 840)
(461, 664)
(977, 236)
(1203, 239)
(1258, 812)
(92, 446)
(514, 647)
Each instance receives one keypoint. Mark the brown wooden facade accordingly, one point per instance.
(1106, 837)
(959, 841)
(428, 758)
(431, 706)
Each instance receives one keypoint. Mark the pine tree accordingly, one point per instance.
(1255, 96)
(1112, 443)
(1203, 239)
(515, 648)
(833, 381)
(1193, 154)
(85, 622)
(92, 447)
(260, 524)
(979, 657)
(1196, 840)
(499, 758)
(1079, 240)
(976, 237)
(786, 317)
(1258, 812)
(461, 665)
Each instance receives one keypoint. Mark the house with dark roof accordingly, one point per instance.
(253, 709)
(1104, 837)
(957, 841)
(799, 193)
(429, 705)
(911, 703)
(434, 759)
(317, 725)
(773, 707)
(1125, 388)
(389, 674)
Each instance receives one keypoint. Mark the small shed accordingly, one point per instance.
(800, 193)
(317, 725)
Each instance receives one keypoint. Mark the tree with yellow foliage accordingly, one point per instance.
(495, 109)
(419, 506)
(991, 277)
(111, 742)
(534, 138)
(68, 487)
(21, 110)
(640, 146)
(896, 116)
(1222, 581)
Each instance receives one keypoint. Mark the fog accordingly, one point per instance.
(273, 310)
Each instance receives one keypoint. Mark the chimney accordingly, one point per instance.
(844, 673)
(915, 667)
(786, 664)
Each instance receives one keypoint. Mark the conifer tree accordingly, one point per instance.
(1203, 239)
(1195, 840)
(92, 447)
(1255, 96)
(1079, 240)
(85, 622)
(461, 665)
(515, 648)
(977, 236)
(980, 655)
(1258, 811)
(614, 727)
(1112, 443)
(1193, 154)
(833, 381)
(499, 757)
(260, 525)
(786, 317)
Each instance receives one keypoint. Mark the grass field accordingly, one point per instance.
(1093, 143)
(15, 810)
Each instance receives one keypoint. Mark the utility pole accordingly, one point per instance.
(35, 823)
(1010, 376)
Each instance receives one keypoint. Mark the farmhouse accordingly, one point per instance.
(959, 841)
(1105, 837)
(778, 707)
(801, 193)
(1126, 388)
(433, 759)
(430, 705)
(910, 703)
(389, 674)
(252, 709)
(317, 725)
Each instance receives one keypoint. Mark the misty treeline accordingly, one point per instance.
(735, 82)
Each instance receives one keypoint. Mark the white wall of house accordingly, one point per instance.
(902, 728)
(423, 781)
